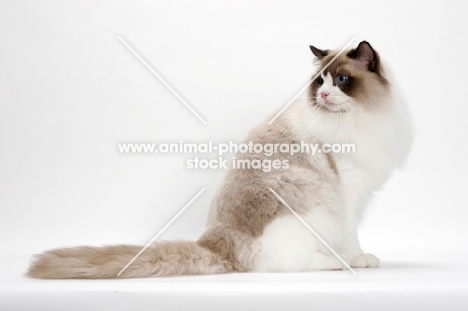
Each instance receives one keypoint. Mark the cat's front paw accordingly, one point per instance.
(365, 261)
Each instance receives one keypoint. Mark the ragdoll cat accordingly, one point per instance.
(249, 229)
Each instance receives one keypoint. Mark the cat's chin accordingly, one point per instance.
(332, 107)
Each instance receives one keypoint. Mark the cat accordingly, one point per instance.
(354, 100)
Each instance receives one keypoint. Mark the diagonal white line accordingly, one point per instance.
(313, 231)
(162, 80)
(312, 80)
(160, 232)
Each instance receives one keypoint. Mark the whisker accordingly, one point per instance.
(341, 121)
(317, 109)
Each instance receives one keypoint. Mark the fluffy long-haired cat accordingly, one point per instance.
(249, 230)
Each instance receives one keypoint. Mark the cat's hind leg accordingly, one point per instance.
(322, 261)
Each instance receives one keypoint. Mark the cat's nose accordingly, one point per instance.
(324, 94)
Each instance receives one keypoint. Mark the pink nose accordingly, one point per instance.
(324, 94)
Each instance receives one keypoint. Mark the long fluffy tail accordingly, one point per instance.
(160, 259)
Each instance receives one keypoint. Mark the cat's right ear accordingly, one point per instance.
(318, 52)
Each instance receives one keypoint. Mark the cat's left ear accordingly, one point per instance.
(366, 55)
(318, 52)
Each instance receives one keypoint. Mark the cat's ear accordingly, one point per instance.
(318, 52)
(365, 54)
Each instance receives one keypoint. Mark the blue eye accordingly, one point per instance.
(319, 80)
(341, 79)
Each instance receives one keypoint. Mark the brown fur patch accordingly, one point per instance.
(332, 163)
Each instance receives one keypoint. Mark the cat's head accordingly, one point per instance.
(352, 79)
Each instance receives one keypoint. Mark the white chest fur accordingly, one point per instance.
(363, 172)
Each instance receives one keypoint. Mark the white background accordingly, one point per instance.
(70, 91)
